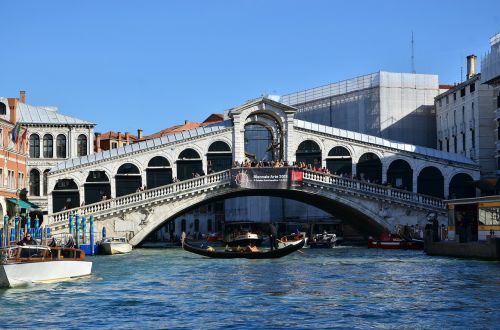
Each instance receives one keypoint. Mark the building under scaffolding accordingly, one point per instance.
(395, 106)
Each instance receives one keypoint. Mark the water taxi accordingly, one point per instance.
(115, 245)
(21, 265)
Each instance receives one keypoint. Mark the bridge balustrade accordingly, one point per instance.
(223, 178)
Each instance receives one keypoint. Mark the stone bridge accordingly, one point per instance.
(365, 204)
(363, 169)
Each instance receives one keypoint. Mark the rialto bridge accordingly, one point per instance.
(373, 180)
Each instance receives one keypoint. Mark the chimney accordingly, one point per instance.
(13, 110)
(139, 134)
(185, 122)
(127, 137)
(97, 142)
(22, 96)
(119, 137)
(471, 66)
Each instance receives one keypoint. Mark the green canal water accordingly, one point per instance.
(344, 287)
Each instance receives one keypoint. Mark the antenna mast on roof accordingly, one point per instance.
(412, 54)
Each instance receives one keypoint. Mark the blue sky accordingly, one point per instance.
(153, 64)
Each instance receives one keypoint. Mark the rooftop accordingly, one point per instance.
(29, 114)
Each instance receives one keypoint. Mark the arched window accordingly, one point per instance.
(48, 146)
(3, 108)
(81, 145)
(309, 153)
(45, 182)
(61, 146)
(34, 182)
(34, 146)
(196, 225)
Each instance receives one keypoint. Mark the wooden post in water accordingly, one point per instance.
(91, 234)
(77, 240)
(84, 229)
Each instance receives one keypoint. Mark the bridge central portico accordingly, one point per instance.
(379, 181)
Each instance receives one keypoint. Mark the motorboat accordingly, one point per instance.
(242, 238)
(292, 239)
(396, 243)
(21, 265)
(212, 252)
(324, 241)
(115, 245)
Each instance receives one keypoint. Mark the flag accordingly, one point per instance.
(23, 137)
(14, 133)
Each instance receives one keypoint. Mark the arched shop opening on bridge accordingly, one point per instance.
(35, 182)
(339, 161)
(400, 175)
(219, 157)
(369, 168)
(128, 179)
(158, 172)
(430, 182)
(189, 164)
(65, 195)
(97, 187)
(309, 152)
(462, 186)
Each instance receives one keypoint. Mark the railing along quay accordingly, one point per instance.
(223, 178)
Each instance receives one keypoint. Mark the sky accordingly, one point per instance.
(144, 64)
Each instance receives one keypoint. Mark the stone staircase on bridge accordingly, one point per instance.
(175, 191)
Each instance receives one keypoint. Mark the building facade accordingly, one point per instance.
(394, 106)
(51, 137)
(490, 66)
(13, 159)
(465, 120)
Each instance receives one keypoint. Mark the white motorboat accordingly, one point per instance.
(21, 265)
(115, 245)
(242, 238)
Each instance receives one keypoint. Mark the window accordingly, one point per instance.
(472, 87)
(498, 100)
(473, 138)
(455, 143)
(454, 117)
(440, 145)
(209, 225)
(45, 182)
(196, 225)
(454, 96)
(61, 146)
(462, 92)
(81, 149)
(441, 101)
(447, 145)
(114, 145)
(48, 146)
(3, 108)
(447, 100)
(34, 146)
(463, 141)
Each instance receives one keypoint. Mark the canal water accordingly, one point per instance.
(345, 287)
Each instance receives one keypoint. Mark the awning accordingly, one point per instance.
(22, 204)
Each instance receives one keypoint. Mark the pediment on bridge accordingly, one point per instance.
(261, 104)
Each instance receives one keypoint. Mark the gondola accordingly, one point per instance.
(211, 253)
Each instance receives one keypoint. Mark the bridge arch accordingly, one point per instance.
(65, 195)
(263, 136)
(310, 153)
(339, 160)
(358, 214)
(219, 157)
(400, 175)
(461, 186)
(127, 179)
(369, 167)
(97, 187)
(188, 162)
(430, 182)
(158, 172)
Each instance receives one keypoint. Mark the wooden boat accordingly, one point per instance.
(21, 265)
(115, 245)
(291, 239)
(267, 254)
